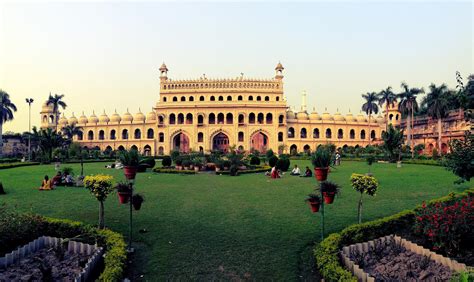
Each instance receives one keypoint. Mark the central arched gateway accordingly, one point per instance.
(220, 142)
(259, 142)
(181, 143)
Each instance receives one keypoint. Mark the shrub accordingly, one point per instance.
(435, 154)
(174, 155)
(364, 185)
(234, 170)
(173, 171)
(13, 165)
(254, 160)
(2, 191)
(150, 162)
(166, 161)
(272, 161)
(130, 158)
(459, 160)
(100, 186)
(269, 154)
(322, 157)
(283, 163)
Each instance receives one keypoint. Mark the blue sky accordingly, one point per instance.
(106, 55)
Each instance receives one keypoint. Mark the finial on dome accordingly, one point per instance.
(314, 109)
(326, 109)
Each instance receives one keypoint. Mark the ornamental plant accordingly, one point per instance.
(322, 157)
(447, 226)
(130, 158)
(364, 185)
(100, 186)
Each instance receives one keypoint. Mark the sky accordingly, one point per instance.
(106, 55)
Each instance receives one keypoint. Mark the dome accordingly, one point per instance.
(314, 115)
(151, 116)
(279, 66)
(72, 119)
(115, 117)
(339, 117)
(290, 114)
(104, 118)
(83, 119)
(63, 120)
(139, 117)
(327, 116)
(127, 117)
(350, 117)
(302, 115)
(93, 118)
(361, 118)
(380, 119)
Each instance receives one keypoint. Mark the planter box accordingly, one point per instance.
(95, 253)
(409, 247)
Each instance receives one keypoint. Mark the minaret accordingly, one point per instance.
(163, 72)
(279, 71)
(303, 101)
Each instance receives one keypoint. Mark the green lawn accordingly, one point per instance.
(220, 227)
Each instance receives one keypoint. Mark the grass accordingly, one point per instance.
(210, 227)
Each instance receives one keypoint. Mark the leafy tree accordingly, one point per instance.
(57, 102)
(47, 140)
(437, 104)
(6, 114)
(100, 186)
(364, 185)
(392, 142)
(408, 105)
(388, 98)
(460, 159)
(370, 107)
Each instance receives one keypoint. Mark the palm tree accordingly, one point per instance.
(408, 105)
(47, 140)
(437, 104)
(370, 107)
(387, 97)
(70, 131)
(6, 114)
(56, 101)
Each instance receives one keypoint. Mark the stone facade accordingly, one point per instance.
(206, 114)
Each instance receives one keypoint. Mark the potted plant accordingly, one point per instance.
(130, 160)
(321, 160)
(219, 164)
(124, 192)
(329, 190)
(186, 164)
(314, 202)
(198, 163)
(137, 201)
(179, 163)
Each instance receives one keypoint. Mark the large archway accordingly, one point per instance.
(220, 142)
(259, 142)
(181, 143)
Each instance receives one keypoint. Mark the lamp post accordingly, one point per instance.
(29, 101)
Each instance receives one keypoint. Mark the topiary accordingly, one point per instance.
(166, 161)
(2, 191)
(273, 160)
(234, 170)
(254, 160)
(283, 163)
(150, 162)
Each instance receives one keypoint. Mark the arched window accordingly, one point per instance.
(137, 134)
(362, 134)
(328, 133)
(150, 133)
(183, 99)
(260, 118)
(250, 98)
(259, 98)
(277, 98)
(101, 135)
(280, 136)
(316, 133)
(269, 119)
(164, 99)
(281, 119)
(221, 98)
(175, 99)
(161, 120)
(390, 116)
(340, 134)
(229, 119)
(113, 134)
(212, 118)
(241, 136)
(180, 119)
(200, 119)
(239, 98)
(241, 119)
(90, 135)
(189, 118)
(172, 119)
(201, 98)
(303, 133)
(291, 132)
(80, 135)
(161, 150)
(191, 99)
(124, 134)
(396, 117)
(372, 134)
(161, 137)
(45, 119)
(251, 118)
(352, 134)
(229, 98)
(220, 118)
(200, 137)
(213, 98)
(267, 98)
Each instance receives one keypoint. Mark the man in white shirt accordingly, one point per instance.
(295, 171)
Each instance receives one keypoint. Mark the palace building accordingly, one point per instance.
(213, 114)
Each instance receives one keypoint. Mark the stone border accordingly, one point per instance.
(46, 241)
(409, 246)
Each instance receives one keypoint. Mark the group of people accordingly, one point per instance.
(296, 172)
(60, 179)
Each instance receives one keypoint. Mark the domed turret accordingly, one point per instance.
(326, 116)
(338, 116)
(83, 119)
(63, 120)
(151, 116)
(139, 117)
(350, 117)
(115, 117)
(127, 117)
(72, 119)
(104, 118)
(380, 119)
(361, 118)
(93, 119)
(46, 107)
(314, 115)
(290, 114)
(302, 115)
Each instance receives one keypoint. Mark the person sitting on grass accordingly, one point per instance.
(307, 173)
(68, 179)
(57, 179)
(46, 184)
(275, 173)
(295, 171)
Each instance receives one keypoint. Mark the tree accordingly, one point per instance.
(407, 106)
(100, 186)
(6, 114)
(70, 131)
(460, 159)
(56, 101)
(47, 140)
(364, 185)
(437, 104)
(388, 98)
(370, 107)
(392, 142)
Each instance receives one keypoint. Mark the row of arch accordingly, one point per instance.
(218, 98)
(222, 85)
(222, 118)
(137, 134)
(328, 133)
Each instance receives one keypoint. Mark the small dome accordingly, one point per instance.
(380, 119)
(72, 119)
(279, 66)
(361, 118)
(339, 117)
(115, 117)
(151, 116)
(290, 114)
(139, 117)
(326, 116)
(163, 67)
(63, 120)
(350, 117)
(93, 118)
(104, 118)
(302, 115)
(127, 117)
(83, 119)
(314, 115)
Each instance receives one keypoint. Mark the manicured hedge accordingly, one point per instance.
(173, 171)
(88, 161)
(19, 229)
(256, 170)
(327, 252)
(12, 165)
(422, 162)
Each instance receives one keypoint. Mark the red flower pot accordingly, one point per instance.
(130, 172)
(314, 206)
(123, 197)
(329, 197)
(321, 173)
